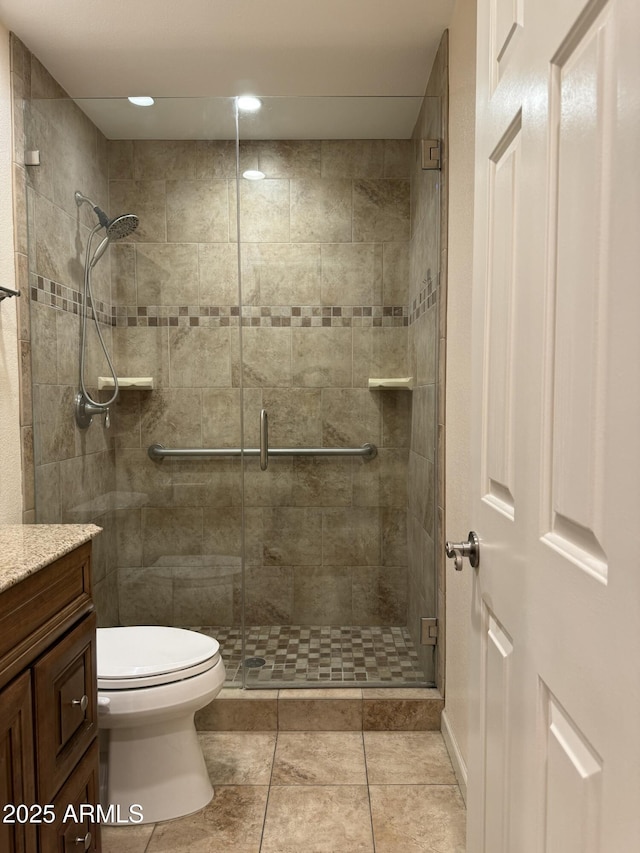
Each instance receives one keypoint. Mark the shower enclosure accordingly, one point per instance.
(269, 475)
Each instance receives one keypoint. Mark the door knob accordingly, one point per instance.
(458, 550)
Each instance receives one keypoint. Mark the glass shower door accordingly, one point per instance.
(315, 571)
(166, 297)
(325, 247)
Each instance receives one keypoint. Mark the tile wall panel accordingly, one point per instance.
(339, 282)
(73, 471)
(325, 265)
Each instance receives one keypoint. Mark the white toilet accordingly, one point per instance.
(151, 681)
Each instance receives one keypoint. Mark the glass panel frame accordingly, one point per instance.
(323, 543)
(325, 239)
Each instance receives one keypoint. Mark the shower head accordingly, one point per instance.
(117, 228)
(121, 226)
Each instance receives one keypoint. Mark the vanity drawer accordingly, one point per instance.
(68, 835)
(66, 705)
(35, 612)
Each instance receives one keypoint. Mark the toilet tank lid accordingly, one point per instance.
(150, 650)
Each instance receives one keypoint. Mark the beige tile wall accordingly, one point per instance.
(337, 245)
(73, 471)
(324, 275)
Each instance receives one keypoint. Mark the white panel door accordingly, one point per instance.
(555, 731)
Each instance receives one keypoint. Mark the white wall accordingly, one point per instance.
(462, 35)
(10, 463)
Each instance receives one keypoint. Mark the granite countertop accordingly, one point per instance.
(27, 548)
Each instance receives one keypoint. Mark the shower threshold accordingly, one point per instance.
(318, 656)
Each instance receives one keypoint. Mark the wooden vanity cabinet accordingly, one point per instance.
(49, 709)
(17, 782)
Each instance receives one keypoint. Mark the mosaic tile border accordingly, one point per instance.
(320, 654)
(262, 316)
(65, 298)
(427, 297)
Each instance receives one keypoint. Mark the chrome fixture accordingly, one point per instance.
(428, 631)
(116, 229)
(430, 154)
(264, 440)
(85, 840)
(7, 292)
(457, 551)
(159, 451)
(85, 409)
(82, 703)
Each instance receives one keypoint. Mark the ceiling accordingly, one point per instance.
(222, 48)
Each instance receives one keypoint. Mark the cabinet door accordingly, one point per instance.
(16, 765)
(74, 830)
(37, 611)
(66, 706)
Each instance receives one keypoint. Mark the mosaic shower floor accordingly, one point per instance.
(319, 654)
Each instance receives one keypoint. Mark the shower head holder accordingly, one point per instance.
(116, 228)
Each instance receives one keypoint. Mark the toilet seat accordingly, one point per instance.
(148, 655)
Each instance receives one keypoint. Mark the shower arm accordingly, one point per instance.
(99, 212)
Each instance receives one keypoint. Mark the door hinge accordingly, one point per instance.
(428, 630)
(430, 153)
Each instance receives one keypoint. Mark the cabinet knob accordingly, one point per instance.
(86, 839)
(84, 703)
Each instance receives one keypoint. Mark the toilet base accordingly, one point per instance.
(161, 769)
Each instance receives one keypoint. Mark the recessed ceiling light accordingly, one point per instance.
(253, 175)
(248, 103)
(142, 101)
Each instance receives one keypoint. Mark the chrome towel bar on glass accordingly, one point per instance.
(158, 451)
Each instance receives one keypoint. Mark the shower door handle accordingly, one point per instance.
(264, 440)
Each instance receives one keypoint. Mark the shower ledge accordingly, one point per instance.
(127, 383)
(400, 383)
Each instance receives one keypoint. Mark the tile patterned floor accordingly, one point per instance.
(321, 654)
(315, 792)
